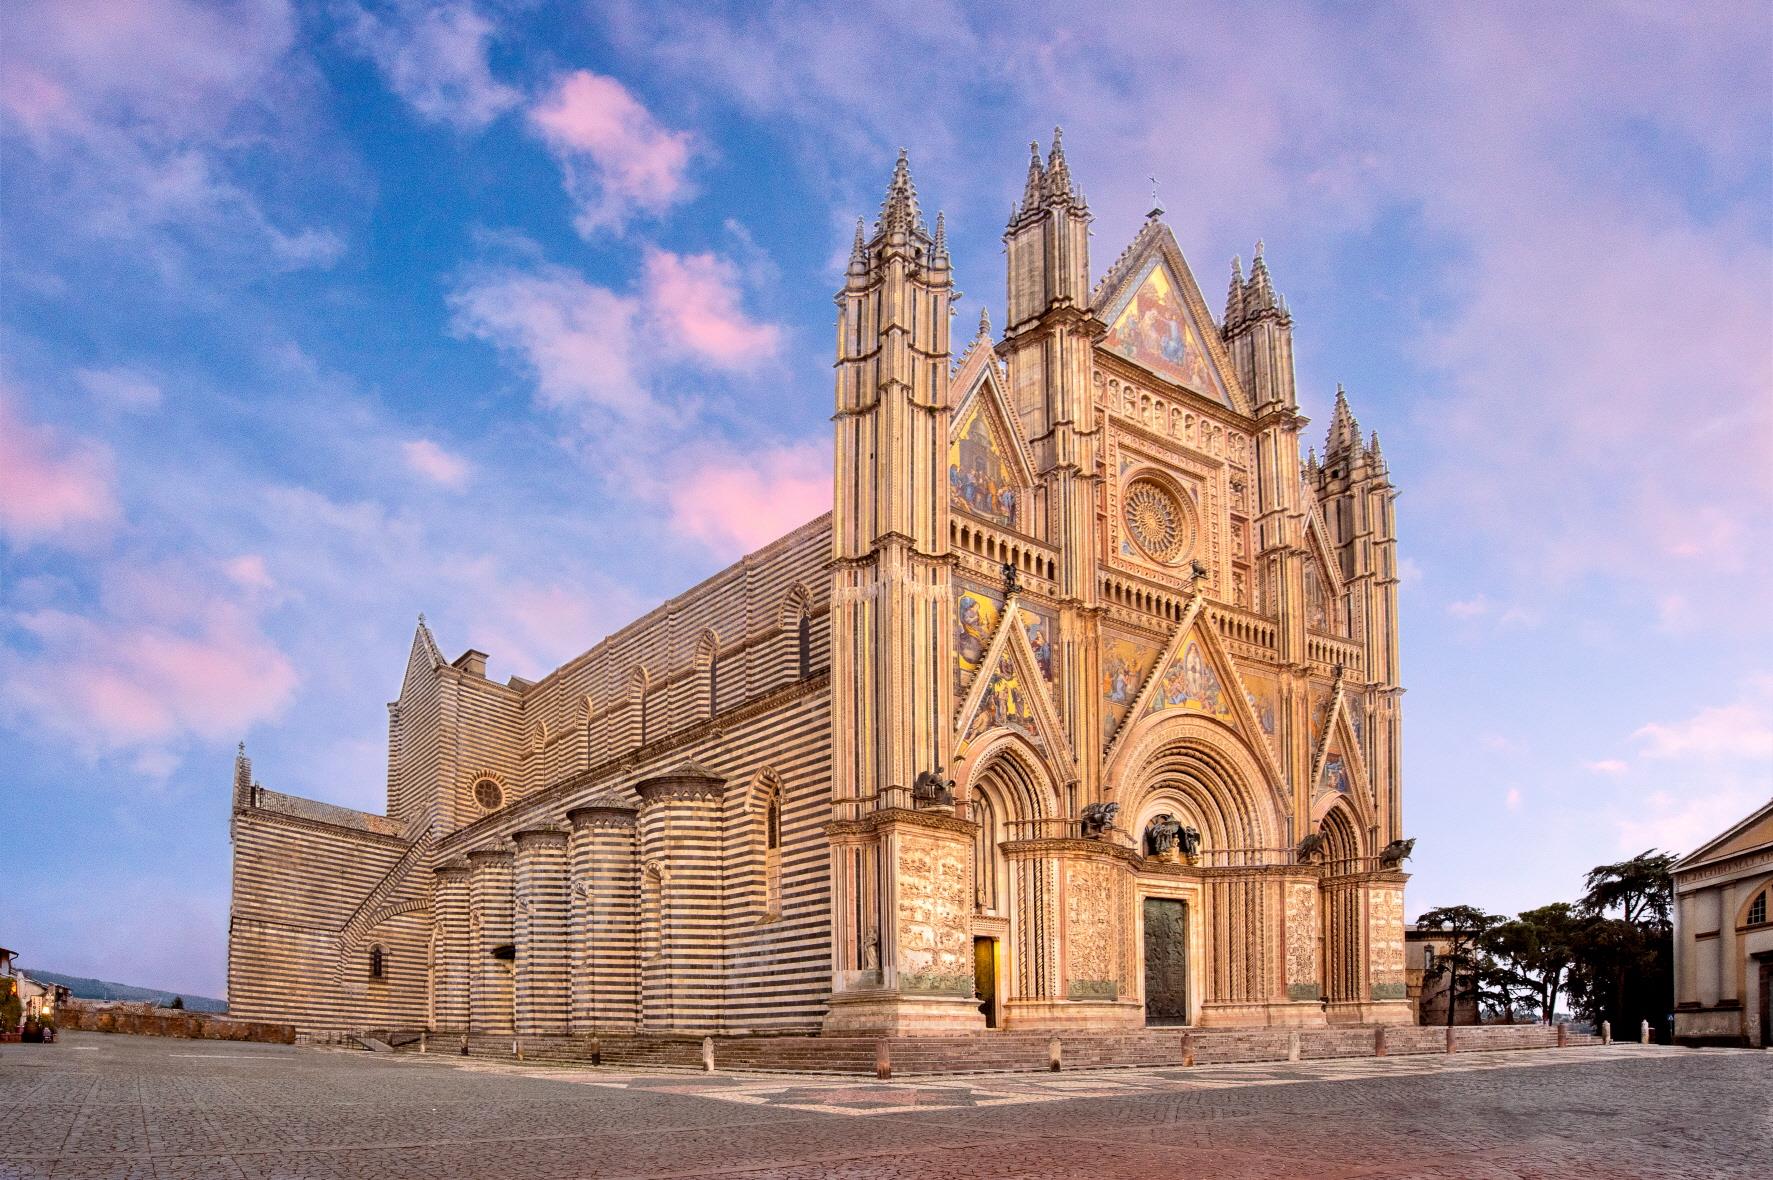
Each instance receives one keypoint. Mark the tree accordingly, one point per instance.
(177, 1002)
(1540, 947)
(1464, 961)
(1623, 952)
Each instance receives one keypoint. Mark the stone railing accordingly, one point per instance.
(148, 1021)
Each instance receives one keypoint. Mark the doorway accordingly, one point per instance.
(1166, 961)
(1766, 1005)
(985, 978)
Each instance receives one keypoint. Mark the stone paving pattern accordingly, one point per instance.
(119, 1106)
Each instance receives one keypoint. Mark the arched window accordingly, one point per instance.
(770, 806)
(1757, 909)
(806, 643)
(378, 963)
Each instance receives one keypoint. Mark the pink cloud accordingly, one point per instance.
(248, 571)
(49, 487)
(127, 682)
(696, 299)
(436, 464)
(576, 338)
(733, 505)
(1742, 729)
(617, 158)
(1607, 766)
(123, 388)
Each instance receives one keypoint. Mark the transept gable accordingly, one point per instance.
(978, 610)
(422, 659)
(1014, 695)
(1127, 660)
(1321, 598)
(990, 471)
(1158, 320)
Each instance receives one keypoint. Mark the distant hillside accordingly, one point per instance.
(103, 989)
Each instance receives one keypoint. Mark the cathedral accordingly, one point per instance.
(1078, 711)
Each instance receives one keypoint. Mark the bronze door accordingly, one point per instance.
(1166, 961)
(985, 978)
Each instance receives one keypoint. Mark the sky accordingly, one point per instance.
(317, 316)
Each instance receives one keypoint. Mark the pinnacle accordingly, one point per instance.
(1058, 184)
(1234, 298)
(1345, 432)
(941, 244)
(984, 323)
(1259, 291)
(898, 210)
(1037, 179)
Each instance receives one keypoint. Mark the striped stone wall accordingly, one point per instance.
(540, 889)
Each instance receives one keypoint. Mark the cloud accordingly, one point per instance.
(618, 160)
(143, 120)
(1512, 800)
(167, 658)
(1607, 766)
(695, 298)
(124, 388)
(744, 502)
(1681, 821)
(50, 488)
(434, 57)
(1470, 608)
(436, 464)
(1740, 730)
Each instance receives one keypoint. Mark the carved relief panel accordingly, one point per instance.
(1302, 974)
(935, 904)
(1385, 942)
(1092, 930)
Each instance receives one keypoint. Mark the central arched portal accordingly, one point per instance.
(1209, 939)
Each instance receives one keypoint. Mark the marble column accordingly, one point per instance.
(540, 931)
(489, 892)
(450, 980)
(603, 919)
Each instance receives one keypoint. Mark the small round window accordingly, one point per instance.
(488, 794)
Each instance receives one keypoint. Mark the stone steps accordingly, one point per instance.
(999, 1052)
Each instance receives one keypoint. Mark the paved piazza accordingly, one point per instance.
(138, 1107)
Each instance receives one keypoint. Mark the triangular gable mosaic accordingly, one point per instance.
(1263, 693)
(976, 612)
(1043, 639)
(1192, 681)
(981, 472)
(1126, 662)
(1007, 702)
(1154, 329)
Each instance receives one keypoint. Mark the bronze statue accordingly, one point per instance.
(1097, 818)
(1165, 833)
(1311, 846)
(1394, 854)
(931, 789)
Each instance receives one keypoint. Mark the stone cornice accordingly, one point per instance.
(688, 782)
(453, 870)
(386, 839)
(1747, 862)
(601, 816)
(941, 821)
(1070, 846)
(540, 838)
(488, 856)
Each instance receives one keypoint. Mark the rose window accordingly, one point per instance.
(1156, 521)
(488, 794)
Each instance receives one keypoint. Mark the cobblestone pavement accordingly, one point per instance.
(117, 1106)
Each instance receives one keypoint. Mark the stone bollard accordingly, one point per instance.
(1563, 1035)
(595, 1047)
(517, 1048)
(1053, 1052)
(464, 1044)
(423, 1045)
(1293, 1045)
(1644, 1033)
(707, 1054)
(1379, 1041)
(883, 1060)
(1452, 1045)
(1606, 1032)
(1187, 1049)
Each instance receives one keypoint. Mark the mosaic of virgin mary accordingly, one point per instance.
(1155, 330)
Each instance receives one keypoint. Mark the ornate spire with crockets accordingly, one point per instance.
(1058, 181)
(1344, 438)
(898, 210)
(984, 323)
(1259, 291)
(1234, 298)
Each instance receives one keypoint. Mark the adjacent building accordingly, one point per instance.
(1079, 709)
(1723, 938)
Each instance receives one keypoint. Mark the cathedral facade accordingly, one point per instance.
(1079, 710)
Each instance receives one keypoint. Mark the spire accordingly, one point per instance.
(242, 776)
(985, 323)
(1376, 455)
(1259, 291)
(941, 245)
(1345, 433)
(1058, 185)
(898, 210)
(1037, 179)
(1310, 472)
(1234, 298)
(858, 251)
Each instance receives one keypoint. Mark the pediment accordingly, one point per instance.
(990, 471)
(1158, 320)
(1013, 693)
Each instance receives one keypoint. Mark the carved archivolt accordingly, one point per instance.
(1198, 761)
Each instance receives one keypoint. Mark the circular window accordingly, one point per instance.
(488, 794)
(1156, 520)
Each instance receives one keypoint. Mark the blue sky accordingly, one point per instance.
(317, 316)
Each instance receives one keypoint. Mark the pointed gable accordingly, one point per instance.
(1014, 695)
(1127, 661)
(1158, 320)
(988, 468)
(976, 612)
